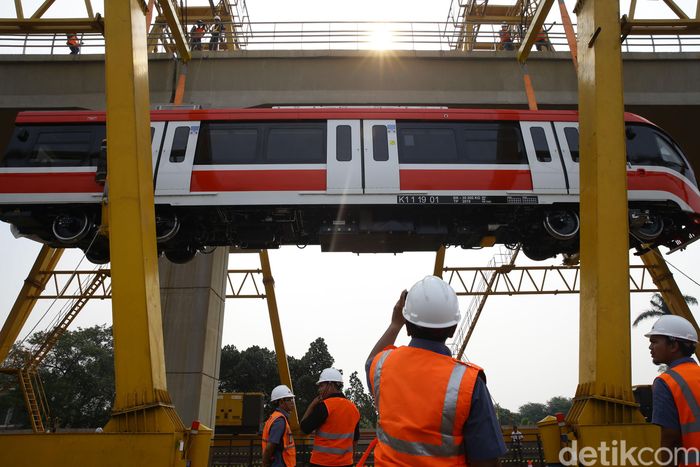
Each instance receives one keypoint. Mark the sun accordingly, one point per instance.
(381, 37)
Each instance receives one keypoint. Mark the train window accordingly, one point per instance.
(493, 143)
(60, 148)
(343, 143)
(539, 140)
(571, 135)
(296, 144)
(227, 143)
(427, 143)
(380, 143)
(179, 148)
(648, 146)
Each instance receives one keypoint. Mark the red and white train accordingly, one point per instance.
(349, 179)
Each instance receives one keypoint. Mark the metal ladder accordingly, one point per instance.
(504, 257)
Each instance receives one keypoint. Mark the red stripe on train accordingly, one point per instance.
(258, 180)
(465, 180)
(61, 182)
(663, 181)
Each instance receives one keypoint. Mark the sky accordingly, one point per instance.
(528, 345)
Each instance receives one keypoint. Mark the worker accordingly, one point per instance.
(278, 448)
(676, 392)
(196, 34)
(542, 41)
(336, 421)
(73, 43)
(433, 410)
(506, 38)
(217, 34)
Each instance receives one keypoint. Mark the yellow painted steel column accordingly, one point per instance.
(138, 336)
(439, 262)
(280, 352)
(604, 407)
(34, 284)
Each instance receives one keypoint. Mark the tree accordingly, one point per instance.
(559, 404)
(532, 412)
(252, 370)
(305, 372)
(660, 308)
(363, 400)
(505, 416)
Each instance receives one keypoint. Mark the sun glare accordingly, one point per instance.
(381, 38)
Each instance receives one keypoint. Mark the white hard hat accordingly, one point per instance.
(217, 18)
(280, 392)
(330, 375)
(432, 303)
(674, 326)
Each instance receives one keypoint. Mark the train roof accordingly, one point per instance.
(318, 113)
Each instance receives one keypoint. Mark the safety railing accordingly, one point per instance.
(343, 35)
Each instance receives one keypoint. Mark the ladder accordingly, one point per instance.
(29, 381)
(504, 258)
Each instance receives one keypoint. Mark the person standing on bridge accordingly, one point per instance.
(218, 30)
(336, 421)
(278, 449)
(196, 34)
(506, 38)
(73, 43)
(433, 410)
(676, 392)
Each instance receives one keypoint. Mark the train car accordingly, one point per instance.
(347, 179)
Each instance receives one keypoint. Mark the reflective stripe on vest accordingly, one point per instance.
(333, 443)
(448, 448)
(694, 426)
(288, 446)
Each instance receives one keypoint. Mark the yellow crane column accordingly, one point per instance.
(604, 408)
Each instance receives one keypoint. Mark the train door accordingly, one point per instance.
(567, 134)
(344, 165)
(544, 158)
(177, 157)
(157, 130)
(381, 156)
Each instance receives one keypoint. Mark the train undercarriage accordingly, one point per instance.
(543, 230)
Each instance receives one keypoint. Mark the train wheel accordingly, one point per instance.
(650, 229)
(181, 255)
(538, 253)
(562, 225)
(97, 255)
(70, 228)
(167, 226)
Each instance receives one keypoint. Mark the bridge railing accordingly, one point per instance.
(344, 35)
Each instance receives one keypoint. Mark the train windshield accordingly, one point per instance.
(649, 146)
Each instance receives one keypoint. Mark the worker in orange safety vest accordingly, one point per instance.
(278, 449)
(676, 392)
(335, 420)
(433, 410)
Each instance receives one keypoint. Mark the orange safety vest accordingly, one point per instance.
(72, 40)
(423, 400)
(684, 382)
(505, 36)
(333, 443)
(289, 452)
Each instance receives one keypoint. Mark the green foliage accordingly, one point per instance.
(363, 400)
(78, 379)
(532, 412)
(559, 404)
(660, 308)
(255, 370)
(78, 376)
(505, 416)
